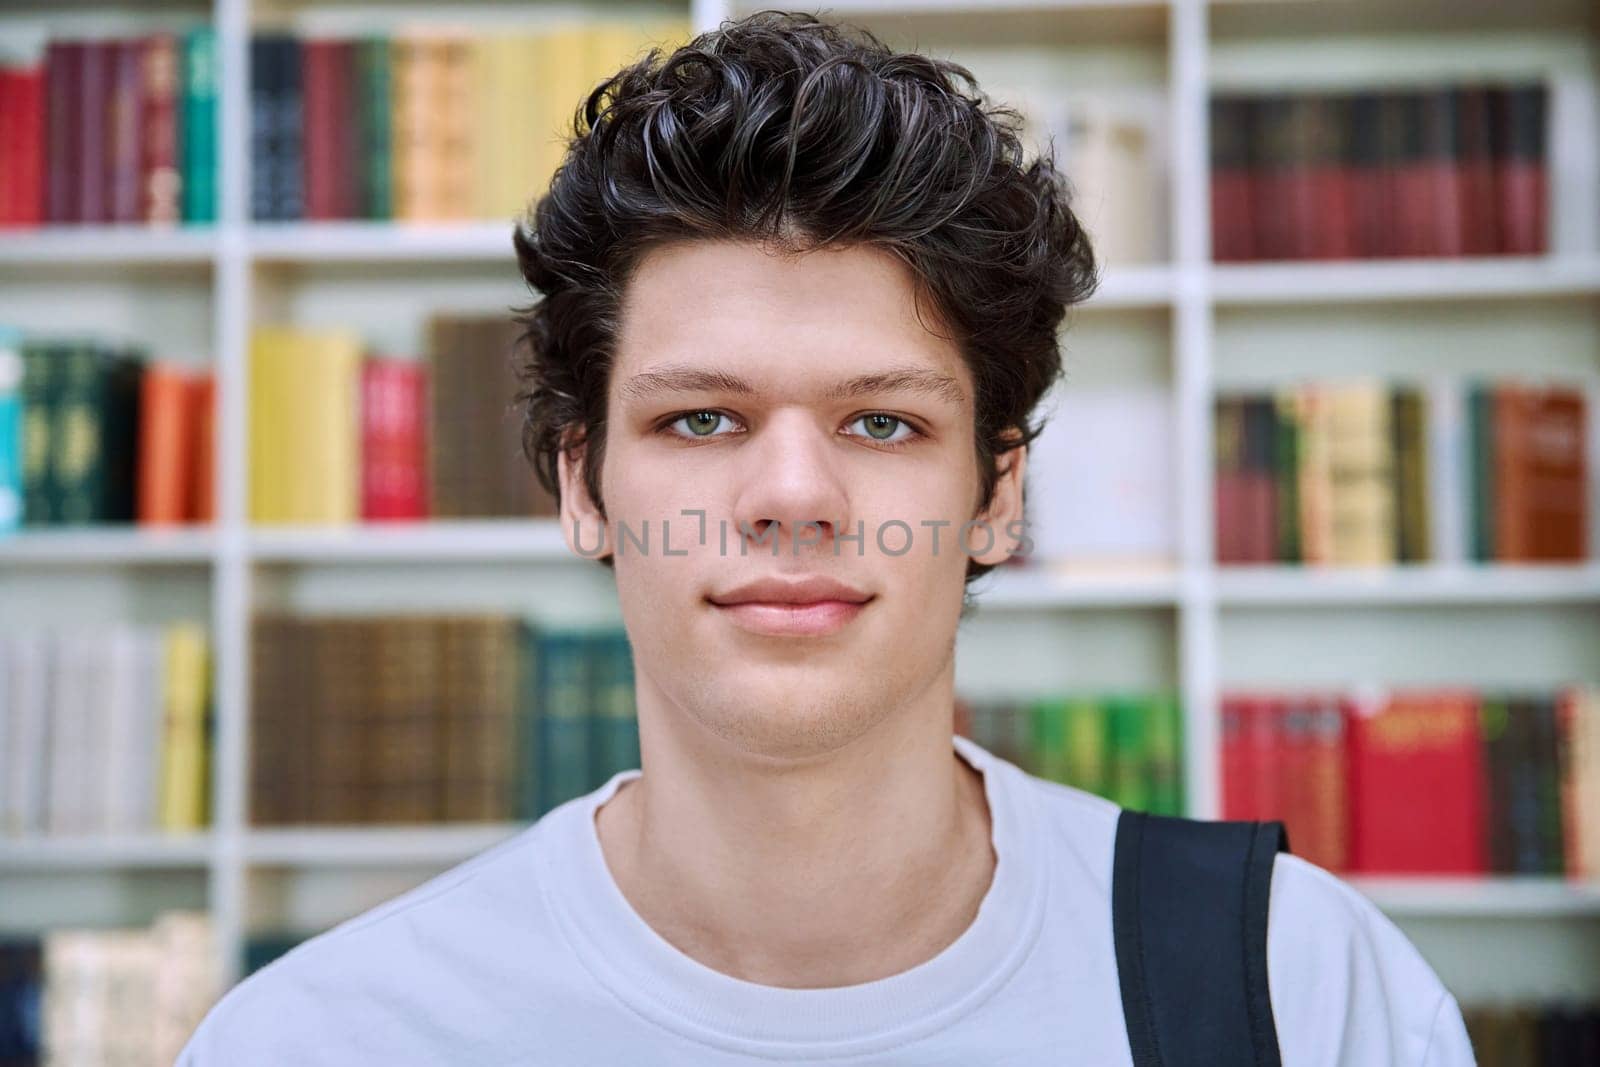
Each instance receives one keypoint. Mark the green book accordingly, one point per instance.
(373, 72)
(1048, 747)
(1480, 433)
(615, 741)
(564, 694)
(1128, 785)
(39, 395)
(1164, 753)
(198, 126)
(77, 438)
(1087, 755)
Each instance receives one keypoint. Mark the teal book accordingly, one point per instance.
(198, 126)
(564, 729)
(39, 393)
(10, 429)
(1480, 434)
(616, 724)
(77, 438)
(373, 130)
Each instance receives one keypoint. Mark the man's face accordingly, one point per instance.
(743, 388)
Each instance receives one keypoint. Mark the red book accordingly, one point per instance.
(1368, 193)
(1292, 766)
(1521, 182)
(1479, 220)
(166, 446)
(1238, 773)
(1263, 725)
(8, 149)
(203, 423)
(26, 125)
(159, 178)
(319, 58)
(394, 471)
(1273, 177)
(1329, 177)
(63, 73)
(1417, 785)
(1320, 784)
(1440, 169)
(1408, 178)
(94, 159)
(347, 139)
(126, 128)
(1232, 136)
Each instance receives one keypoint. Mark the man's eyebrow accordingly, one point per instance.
(678, 379)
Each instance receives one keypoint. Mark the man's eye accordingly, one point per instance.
(884, 429)
(700, 423)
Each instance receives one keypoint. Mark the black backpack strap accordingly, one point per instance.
(1189, 916)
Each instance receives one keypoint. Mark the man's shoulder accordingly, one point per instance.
(432, 952)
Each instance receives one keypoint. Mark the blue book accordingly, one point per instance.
(10, 429)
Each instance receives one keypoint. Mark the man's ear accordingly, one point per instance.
(1004, 513)
(582, 525)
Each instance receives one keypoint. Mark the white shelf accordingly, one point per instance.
(483, 540)
(379, 242)
(1357, 281)
(114, 246)
(102, 852)
(1500, 896)
(1420, 584)
(1046, 588)
(89, 546)
(424, 844)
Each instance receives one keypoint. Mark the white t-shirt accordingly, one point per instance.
(529, 954)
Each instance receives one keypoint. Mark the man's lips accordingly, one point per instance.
(817, 618)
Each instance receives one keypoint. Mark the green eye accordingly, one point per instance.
(881, 427)
(702, 423)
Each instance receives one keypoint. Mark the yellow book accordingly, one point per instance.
(491, 124)
(560, 72)
(185, 693)
(328, 487)
(1361, 461)
(456, 143)
(271, 436)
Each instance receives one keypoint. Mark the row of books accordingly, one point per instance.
(93, 432)
(1444, 781)
(1329, 473)
(428, 124)
(1562, 1033)
(105, 730)
(1127, 747)
(338, 434)
(430, 718)
(130, 996)
(111, 130)
(1450, 171)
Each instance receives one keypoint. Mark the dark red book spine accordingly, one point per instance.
(1521, 182)
(8, 148)
(1404, 179)
(1440, 165)
(1265, 738)
(1331, 186)
(1271, 179)
(321, 103)
(1479, 218)
(94, 159)
(394, 472)
(1232, 135)
(63, 74)
(347, 138)
(30, 127)
(127, 126)
(159, 178)
(1367, 200)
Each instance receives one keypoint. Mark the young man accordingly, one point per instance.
(800, 295)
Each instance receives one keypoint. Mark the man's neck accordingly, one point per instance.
(842, 872)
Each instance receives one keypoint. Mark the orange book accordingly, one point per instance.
(165, 430)
(202, 402)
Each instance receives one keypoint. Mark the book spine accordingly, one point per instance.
(11, 478)
(125, 126)
(563, 716)
(159, 175)
(321, 165)
(373, 118)
(1329, 210)
(77, 442)
(27, 125)
(63, 100)
(1441, 184)
(1521, 180)
(1366, 148)
(200, 86)
(94, 95)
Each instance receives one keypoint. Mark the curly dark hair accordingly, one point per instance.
(782, 128)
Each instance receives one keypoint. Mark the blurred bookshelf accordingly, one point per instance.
(1168, 333)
